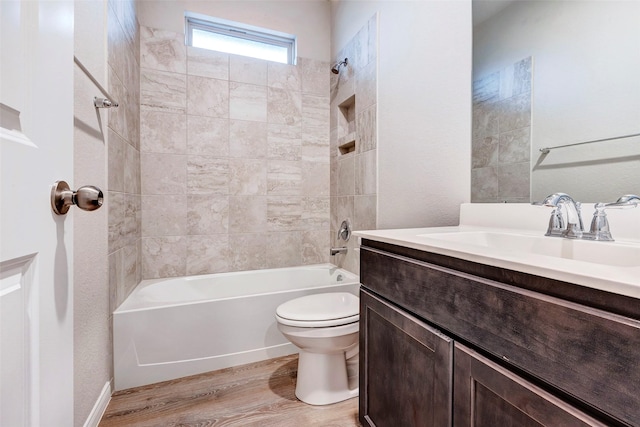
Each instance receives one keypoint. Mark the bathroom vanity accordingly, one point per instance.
(476, 326)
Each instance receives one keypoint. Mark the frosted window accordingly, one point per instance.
(236, 39)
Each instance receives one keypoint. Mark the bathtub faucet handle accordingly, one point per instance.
(345, 230)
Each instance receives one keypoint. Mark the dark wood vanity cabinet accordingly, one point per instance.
(442, 346)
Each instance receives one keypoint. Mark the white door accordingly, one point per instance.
(36, 149)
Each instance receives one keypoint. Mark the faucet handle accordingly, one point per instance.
(626, 201)
(599, 229)
(556, 223)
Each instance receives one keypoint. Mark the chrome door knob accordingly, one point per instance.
(88, 198)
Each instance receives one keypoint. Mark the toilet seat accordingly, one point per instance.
(320, 310)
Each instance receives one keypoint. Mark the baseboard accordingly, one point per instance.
(100, 406)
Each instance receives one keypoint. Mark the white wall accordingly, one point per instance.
(586, 59)
(424, 106)
(307, 19)
(92, 344)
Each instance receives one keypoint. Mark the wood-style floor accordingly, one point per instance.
(258, 394)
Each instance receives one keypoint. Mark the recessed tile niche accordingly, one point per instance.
(347, 125)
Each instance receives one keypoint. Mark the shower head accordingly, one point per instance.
(336, 68)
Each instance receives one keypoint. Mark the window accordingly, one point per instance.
(240, 39)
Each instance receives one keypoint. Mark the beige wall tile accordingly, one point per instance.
(284, 213)
(284, 106)
(284, 249)
(207, 63)
(207, 214)
(247, 251)
(132, 226)
(247, 102)
(248, 177)
(315, 179)
(164, 215)
(514, 180)
(284, 178)
(284, 76)
(164, 173)
(207, 97)
(132, 178)
(164, 257)
(115, 204)
(162, 50)
(366, 130)
(515, 146)
(366, 92)
(207, 175)
(207, 136)
(116, 162)
(284, 142)
(315, 76)
(315, 213)
(364, 216)
(247, 139)
(162, 91)
(315, 247)
(247, 70)
(315, 111)
(346, 175)
(207, 254)
(163, 132)
(247, 214)
(366, 173)
(484, 185)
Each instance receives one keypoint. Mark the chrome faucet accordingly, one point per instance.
(336, 251)
(599, 229)
(574, 228)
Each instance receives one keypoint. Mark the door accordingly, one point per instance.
(36, 149)
(405, 368)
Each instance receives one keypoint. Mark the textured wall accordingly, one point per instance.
(92, 365)
(501, 142)
(235, 160)
(423, 106)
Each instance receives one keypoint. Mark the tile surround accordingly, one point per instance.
(501, 141)
(254, 138)
(352, 116)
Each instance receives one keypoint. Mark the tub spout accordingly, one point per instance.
(335, 251)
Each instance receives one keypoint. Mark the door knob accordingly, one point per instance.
(88, 198)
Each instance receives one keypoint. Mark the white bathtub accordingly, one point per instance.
(171, 328)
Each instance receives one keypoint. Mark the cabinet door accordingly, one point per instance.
(488, 395)
(405, 368)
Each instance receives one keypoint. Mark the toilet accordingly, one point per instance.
(325, 329)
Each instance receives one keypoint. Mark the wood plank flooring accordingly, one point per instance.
(257, 394)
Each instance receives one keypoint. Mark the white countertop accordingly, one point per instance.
(527, 220)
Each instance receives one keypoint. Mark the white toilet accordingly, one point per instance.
(325, 328)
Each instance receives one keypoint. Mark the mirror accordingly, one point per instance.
(555, 73)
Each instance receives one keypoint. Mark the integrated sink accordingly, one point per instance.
(606, 253)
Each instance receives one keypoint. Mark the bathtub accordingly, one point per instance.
(171, 328)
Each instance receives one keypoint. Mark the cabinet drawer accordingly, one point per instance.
(487, 395)
(589, 354)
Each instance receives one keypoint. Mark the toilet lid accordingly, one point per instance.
(321, 307)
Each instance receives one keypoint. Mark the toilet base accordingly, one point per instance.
(322, 378)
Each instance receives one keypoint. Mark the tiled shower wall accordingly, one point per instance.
(501, 144)
(234, 159)
(353, 119)
(123, 198)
